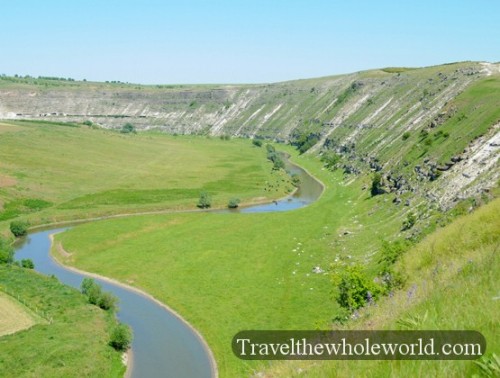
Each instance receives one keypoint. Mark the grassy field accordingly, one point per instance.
(228, 272)
(452, 284)
(50, 172)
(14, 316)
(74, 343)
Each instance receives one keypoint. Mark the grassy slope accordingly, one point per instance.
(80, 172)
(14, 316)
(452, 285)
(227, 272)
(250, 254)
(74, 344)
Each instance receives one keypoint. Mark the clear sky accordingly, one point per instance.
(239, 41)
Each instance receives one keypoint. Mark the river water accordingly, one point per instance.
(163, 344)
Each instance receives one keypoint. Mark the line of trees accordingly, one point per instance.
(121, 334)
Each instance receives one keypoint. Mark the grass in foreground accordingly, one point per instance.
(51, 172)
(74, 344)
(14, 316)
(229, 272)
(452, 285)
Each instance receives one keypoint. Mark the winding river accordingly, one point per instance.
(164, 344)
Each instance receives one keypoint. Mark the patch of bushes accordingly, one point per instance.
(390, 252)
(233, 203)
(354, 288)
(6, 252)
(27, 263)
(19, 228)
(96, 296)
(376, 187)
(304, 141)
(406, 135)
(275, 157)
(331, 160)
(128, 128)
(257, 142)
(295, 180)
(121, 337)
(205, 201)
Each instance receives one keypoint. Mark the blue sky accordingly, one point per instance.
(248, 41)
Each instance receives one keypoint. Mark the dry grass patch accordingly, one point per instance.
(14, 317)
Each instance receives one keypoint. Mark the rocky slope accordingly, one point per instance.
(412, 125)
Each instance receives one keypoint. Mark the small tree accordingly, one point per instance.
(19, 228)
(128, 128)
(376, 184)
(257, 142)
(205, 201)
(296, 180)
(233, 203)
(121, 337)
(331, 160)
(27, 263)
(92, 290)
(96, 296)
(278, 164)
(354, 288)
(107, 301)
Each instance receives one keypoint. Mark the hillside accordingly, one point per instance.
(451, 284)
(51, 172)
(70, 336)
(412, 125)
(401, 152)
(370, 99)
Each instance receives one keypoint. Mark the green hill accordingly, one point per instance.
(402, 153)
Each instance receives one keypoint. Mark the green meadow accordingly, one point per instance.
(70, 337)
(452, 284)
(50, 172)
(229, 272)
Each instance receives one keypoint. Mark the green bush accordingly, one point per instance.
(390, 252)
(107, 301)
(295, 180)
(128, 128)
(205, 201)
(406, 135)
(121, 337)
(233, 203)
(275, 157)
(376, 184)
(6, 252)
(257, 142)
(96, 296)
(278, 164)
(19, 228)
(331, 160)
(355, 289)
(27, 263)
